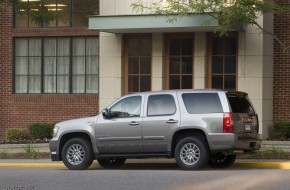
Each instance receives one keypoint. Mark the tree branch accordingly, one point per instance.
(283, 45)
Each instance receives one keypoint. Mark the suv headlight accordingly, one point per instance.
(55, 130)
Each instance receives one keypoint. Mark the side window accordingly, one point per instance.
(127, 107)
(200, 103)
(161, 105)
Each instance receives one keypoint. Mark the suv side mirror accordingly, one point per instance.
(106, 114)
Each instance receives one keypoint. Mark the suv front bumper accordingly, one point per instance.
(55, 156)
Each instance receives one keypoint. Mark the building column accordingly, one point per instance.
(200, 60)
(255, 70)
(110, 68)
(157, 62)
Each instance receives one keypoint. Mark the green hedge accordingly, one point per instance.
(281, 129)
(41, 130)
(16, 134)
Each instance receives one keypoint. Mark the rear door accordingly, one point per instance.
(161, 117)
(245, 118)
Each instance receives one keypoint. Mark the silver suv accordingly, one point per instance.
(196, 127)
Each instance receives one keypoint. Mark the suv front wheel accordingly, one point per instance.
(191, 153)
(77, 154)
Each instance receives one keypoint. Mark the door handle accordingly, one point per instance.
(134, 123)
(172, 121)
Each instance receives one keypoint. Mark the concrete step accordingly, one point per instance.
(20, 148)
(44, 147)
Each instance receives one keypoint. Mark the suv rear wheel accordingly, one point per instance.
(77, 154)
(191, 153)
(220, 160)
(111, 163)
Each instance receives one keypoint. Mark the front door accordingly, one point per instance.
(122, 131)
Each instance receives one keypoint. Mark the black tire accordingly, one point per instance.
(221, 161)
(112, 163)
(77, 154)
(196, 156)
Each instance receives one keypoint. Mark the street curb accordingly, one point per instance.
(266, 165)
(278, 165)
(31, 165)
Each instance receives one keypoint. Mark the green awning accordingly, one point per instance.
(152, 23)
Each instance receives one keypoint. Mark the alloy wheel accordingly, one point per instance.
(189, 154)
(75, 154)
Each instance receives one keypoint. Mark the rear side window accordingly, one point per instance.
(161, 105)
(200, 103)
(241, 105)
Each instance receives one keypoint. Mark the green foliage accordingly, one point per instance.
(41, 130)
(2, 3)
(38, 11)
(281, 129)
(273, 153)
(228, 13)
(6, 155)
(32, 152)
(16, 134)
(269, 153)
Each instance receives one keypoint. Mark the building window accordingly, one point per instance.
(179, 62)
(56, 65)
(138, 63)
(223, 62)
(54, 13)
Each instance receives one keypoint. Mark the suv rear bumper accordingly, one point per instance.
(231, 142)
(248, 144)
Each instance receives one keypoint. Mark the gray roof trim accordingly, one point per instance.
(151, 23)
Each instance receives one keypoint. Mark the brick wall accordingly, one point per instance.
(281, 108)
(5, 65)
(20, 110)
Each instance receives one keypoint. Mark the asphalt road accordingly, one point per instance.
(153, 175)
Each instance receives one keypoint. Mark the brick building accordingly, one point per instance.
(45, 76)
(54, 68)
(281, 69)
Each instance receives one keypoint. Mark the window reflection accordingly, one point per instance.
(128, 107)
(54, 13)
(224, 62)
(138, 55)
(180, 63)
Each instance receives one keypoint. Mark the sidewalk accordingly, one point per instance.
(44, 147)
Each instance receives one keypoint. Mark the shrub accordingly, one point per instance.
(5, 155)
(41, 130)
(16, 134)
(31, 151)
(281, 129)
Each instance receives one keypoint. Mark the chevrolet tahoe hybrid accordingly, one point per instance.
(196, 127)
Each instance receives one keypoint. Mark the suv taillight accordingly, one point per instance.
(228, 123)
